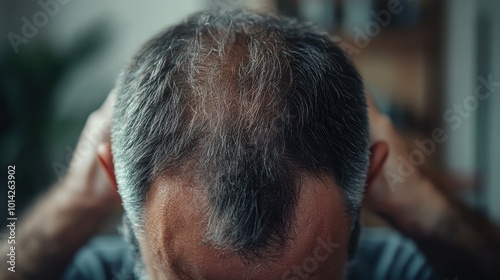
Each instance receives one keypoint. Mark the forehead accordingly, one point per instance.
(173, 247)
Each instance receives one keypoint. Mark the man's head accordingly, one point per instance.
(240, 144)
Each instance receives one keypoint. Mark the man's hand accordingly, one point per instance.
(71, 212)
(392, 198)
(85, 182)
(458, 242)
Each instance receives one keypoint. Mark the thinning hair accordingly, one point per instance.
(245, 103)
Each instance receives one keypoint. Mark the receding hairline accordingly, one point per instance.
(320, 216)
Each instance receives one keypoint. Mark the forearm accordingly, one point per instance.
(457, 242)
(49, 235)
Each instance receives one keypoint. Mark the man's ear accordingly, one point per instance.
(378, 155)
(106, 162)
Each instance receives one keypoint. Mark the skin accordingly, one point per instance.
(174, 247)
(80, 203)
(70, 213)
(459, 243)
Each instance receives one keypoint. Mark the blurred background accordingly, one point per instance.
(432, 66)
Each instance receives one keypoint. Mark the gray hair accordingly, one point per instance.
(245, 103)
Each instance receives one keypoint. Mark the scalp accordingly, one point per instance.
(244, 103)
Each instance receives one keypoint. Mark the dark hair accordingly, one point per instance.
(246, 103)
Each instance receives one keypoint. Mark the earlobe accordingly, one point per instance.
(106, 162)
(378, 155)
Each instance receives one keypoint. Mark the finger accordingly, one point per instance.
(373, 111)
(106, 108)
(105, 113)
